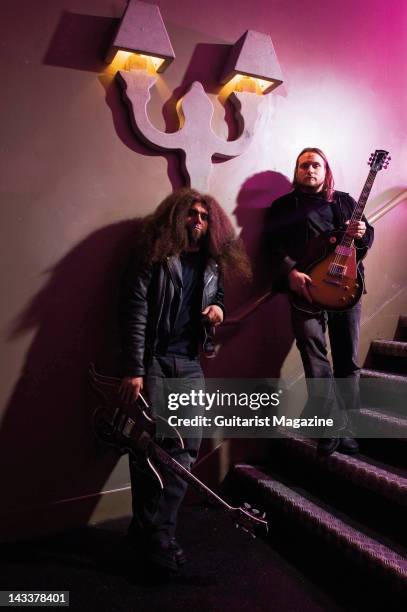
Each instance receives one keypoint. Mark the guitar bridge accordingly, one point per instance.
(330, 281)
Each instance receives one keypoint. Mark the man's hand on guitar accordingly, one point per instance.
(299, 282)
(356, 229)
(130, 388)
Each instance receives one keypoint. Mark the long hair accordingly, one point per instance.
(328, 186)
(164, 233)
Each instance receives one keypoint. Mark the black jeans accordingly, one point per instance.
(154, 510)
(336, 392)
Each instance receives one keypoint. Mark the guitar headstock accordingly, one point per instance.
(379, 159)
(250, 520)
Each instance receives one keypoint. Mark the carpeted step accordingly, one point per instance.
(397, 379)
(352, 484)
(385, 483)
(402, 328)
(382, 389)
(373, 423)
(390, 356)
(392, 348)
(297, 509)
(383, 436)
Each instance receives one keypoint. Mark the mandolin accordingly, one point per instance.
(334, 268)
(130, 428)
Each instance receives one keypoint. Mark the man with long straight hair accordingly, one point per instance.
(296, 221)
(172, 293)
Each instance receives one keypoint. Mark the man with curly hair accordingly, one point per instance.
(172, 294)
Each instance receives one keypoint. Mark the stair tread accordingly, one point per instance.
(326, 520)
(371, 475)
(384, 342)
(389, 423)
(367, 373)
(385, 414)
(390, 348)
(327, 506)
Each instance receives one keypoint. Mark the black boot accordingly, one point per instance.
(327, 446)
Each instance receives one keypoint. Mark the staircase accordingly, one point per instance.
(342, 520)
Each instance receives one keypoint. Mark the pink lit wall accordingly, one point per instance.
(74, 178)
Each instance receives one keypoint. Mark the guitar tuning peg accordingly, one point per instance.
(246, 506)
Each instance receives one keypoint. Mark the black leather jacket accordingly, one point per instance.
(287, 235)
(150, 304)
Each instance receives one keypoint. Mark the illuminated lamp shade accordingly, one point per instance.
(142, 31)
(253, 56)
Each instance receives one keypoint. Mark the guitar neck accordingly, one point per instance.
(360, 206)
(165, 459)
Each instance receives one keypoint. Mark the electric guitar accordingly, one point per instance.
(333, 261)
(130, 428)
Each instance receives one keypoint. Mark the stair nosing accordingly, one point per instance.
(372, 477)
(368, 373)
(389, 348)
(387, 420)
(318, 515)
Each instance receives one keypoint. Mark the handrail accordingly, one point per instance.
(375, 216)
(385, 208)
(245, 312)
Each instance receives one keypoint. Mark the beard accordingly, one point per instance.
(310, 186)
(195, 236)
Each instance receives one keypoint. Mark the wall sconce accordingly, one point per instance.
(252, 68)
(142, 39)
(252, 64)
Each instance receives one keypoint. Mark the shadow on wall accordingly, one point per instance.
(46, 437)
(258, 345)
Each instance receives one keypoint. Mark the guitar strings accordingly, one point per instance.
(339, 259)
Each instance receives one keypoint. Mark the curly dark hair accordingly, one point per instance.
(164, 233)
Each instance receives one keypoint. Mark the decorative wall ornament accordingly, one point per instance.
(252, 68)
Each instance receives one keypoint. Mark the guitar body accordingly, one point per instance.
(335, 293)
(331, 292)
(128, 431)
(129, 428)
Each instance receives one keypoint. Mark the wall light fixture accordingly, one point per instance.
(142, 32)
(252, 64)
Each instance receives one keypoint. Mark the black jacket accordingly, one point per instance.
(150, 304)
(287, 233)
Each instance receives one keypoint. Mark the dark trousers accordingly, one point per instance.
(336, 390)
(155, 510)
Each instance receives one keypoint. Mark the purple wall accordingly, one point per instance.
(74, 177)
